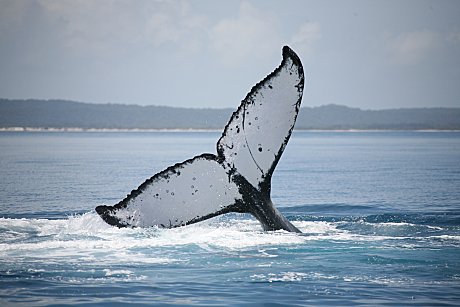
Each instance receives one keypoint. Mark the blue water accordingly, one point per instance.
(379, 211)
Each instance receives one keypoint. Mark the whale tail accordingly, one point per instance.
(238, 178)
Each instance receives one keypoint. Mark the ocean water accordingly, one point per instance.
(379, 212)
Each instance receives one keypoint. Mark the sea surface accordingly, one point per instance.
(379, 212)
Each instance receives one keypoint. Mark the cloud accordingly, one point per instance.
(306, 37)
(105, 28)
(108, 26)
(252, 31)
(256, 31)
(413, 47)
(176, 23)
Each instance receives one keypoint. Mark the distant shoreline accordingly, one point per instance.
(136, 130)
(58, 115)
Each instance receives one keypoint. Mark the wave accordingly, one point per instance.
(88, 233)
(364, 213)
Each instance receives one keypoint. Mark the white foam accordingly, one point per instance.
(109, 272)
(282, 277)
(87, 237)
(396, 225)
(317, 227)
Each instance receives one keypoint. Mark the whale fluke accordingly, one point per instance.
(238, 178)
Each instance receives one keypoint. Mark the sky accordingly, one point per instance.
(208, 54)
